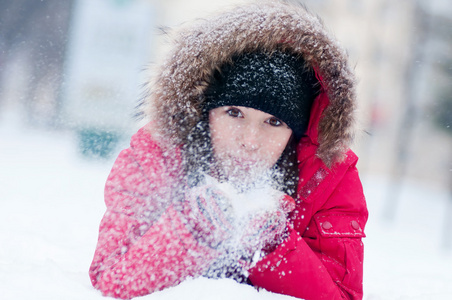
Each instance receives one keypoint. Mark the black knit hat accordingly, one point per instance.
(279, 84)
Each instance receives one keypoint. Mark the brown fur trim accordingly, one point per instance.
(175, 96)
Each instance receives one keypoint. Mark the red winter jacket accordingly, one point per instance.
(144, 247)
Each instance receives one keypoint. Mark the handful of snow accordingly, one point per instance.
(261, 197)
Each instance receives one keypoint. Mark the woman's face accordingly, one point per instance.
(246, 141)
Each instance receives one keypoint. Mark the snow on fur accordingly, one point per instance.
(175, 95)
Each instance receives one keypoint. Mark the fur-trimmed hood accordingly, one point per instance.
(175, 95)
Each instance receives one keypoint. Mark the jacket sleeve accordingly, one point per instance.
(326, 260)
(163, 257)
(143, 245)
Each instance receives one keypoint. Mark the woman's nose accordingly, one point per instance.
(251, 139)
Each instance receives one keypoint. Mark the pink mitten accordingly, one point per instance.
(208, 215)
(263, 230)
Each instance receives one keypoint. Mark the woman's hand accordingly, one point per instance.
(264, 229)
(208, 215)
(217, 217)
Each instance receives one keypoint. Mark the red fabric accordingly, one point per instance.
(323, 256)
(144, 247)
(135, 256)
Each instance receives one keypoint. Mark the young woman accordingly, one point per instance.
(244, 170)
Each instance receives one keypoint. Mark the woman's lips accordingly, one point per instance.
(245, 161)
(237, 166)
(245, 165)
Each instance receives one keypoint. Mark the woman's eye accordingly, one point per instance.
(274, 122)
(233, 112)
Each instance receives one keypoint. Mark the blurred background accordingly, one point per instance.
(79, 64)
(74, 69)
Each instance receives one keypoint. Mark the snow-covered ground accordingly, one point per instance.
(51, 203)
